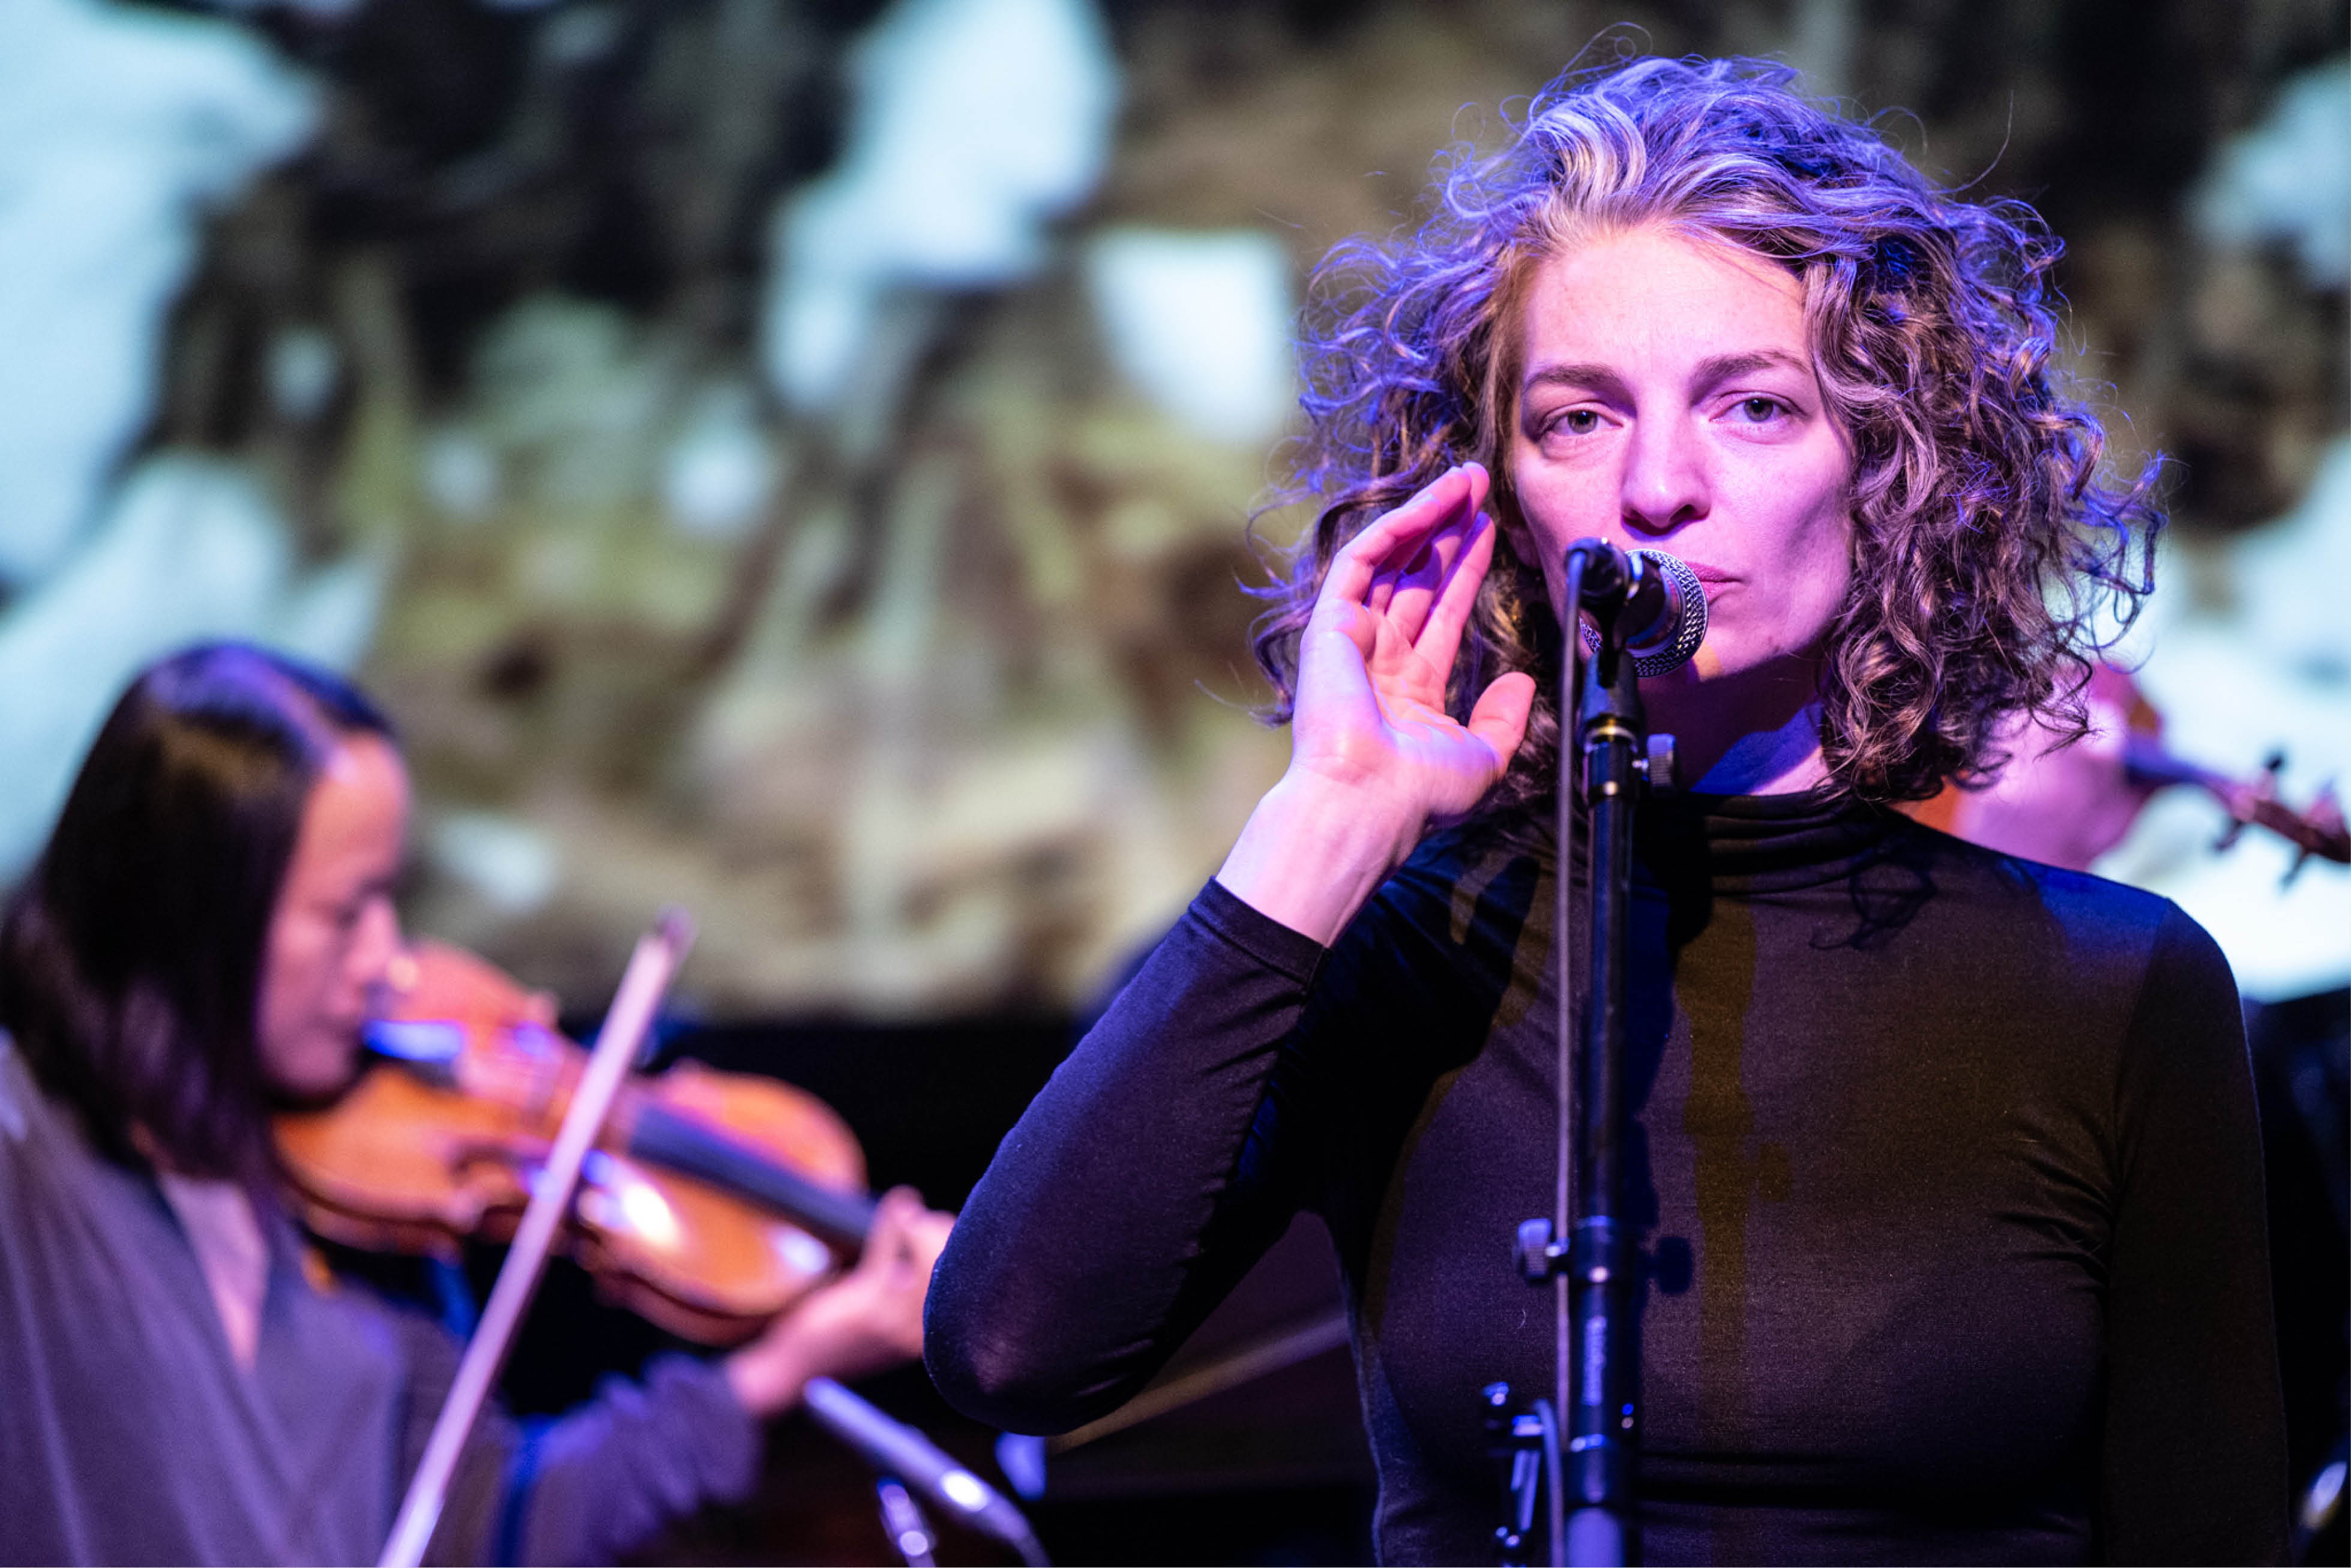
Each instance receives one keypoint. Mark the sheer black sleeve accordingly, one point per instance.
(2195, 1437)
(1140, 1184)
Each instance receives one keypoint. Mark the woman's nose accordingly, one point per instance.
(1664, 483)
(380, 944)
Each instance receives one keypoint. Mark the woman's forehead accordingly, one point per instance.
(357, 809)
(1653, 291)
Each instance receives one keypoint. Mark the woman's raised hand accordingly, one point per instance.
(1375, 759)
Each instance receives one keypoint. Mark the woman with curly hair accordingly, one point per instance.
(1944, 1163)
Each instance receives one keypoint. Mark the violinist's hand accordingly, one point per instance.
(1375, 759)
(867, 1321)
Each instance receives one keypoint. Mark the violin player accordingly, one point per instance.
(198, 944)
(1943, 1164)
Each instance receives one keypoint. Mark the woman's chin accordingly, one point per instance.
(1725, 662)
(319, 1071)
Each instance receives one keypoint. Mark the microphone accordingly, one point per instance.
(1656, 599)
(897, 1449)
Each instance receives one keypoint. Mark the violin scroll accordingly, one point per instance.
(2318, 829)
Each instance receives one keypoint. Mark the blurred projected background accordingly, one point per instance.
(790, 457)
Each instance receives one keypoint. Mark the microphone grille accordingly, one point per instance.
(1674, 641)
(1677, 639)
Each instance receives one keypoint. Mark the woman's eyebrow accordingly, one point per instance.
(1719, 368)
(1605, 382)
(1598, 380)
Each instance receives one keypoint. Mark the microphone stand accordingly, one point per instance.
(1593, 1447)
(900, 1452)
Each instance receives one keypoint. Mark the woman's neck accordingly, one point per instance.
(1755, 733)
(231, 1250)
(229, 1245)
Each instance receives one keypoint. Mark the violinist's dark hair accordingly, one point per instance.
(131, 955)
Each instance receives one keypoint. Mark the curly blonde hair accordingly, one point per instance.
(1991, 559)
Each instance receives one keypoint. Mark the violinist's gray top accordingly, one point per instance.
(128, 1432)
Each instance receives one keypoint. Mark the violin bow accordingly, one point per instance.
(651, 967)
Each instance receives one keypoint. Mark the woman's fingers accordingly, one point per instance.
(1438, 636)
(1380, 645)
(1436, 594)
(1393, 538)
(1358, 626)
(1499, 719)
(1410, 554)
(890, 1237)
(916, 1234)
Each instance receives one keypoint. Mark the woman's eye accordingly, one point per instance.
(1578, 422)
(1759, 410)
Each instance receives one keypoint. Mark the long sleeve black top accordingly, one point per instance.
(1944, 1163)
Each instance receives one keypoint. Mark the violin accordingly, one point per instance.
(2250, 802)
(710, 1203)
(2068, 805)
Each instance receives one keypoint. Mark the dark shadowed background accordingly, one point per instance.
(792, 458)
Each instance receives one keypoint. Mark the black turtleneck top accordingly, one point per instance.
(1944, 1165)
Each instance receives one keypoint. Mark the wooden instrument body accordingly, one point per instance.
(441, 1142)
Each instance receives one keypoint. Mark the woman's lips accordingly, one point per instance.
(1712, 578)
